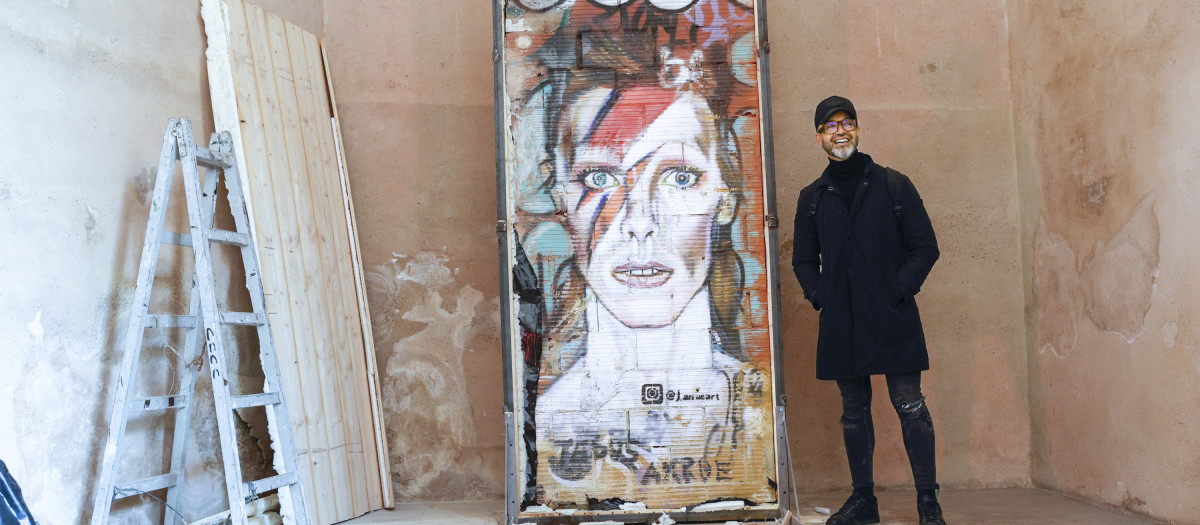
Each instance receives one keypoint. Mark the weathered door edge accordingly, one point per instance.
(782, 452)
(511, 464)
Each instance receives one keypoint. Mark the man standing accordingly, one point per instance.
(863, 247)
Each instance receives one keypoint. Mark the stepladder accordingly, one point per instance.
(210, 329)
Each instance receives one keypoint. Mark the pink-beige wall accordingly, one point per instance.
(931, 86)
(414, 87)
(1106, 99)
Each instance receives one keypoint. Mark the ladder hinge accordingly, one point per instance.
(772, 221)
(221, 144)
(496, 55)
(501, 226)
(766, 46)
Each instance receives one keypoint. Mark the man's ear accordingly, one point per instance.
(817, 136)
(726, 208)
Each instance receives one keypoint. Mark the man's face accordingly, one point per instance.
(838, 143)
(641, 211)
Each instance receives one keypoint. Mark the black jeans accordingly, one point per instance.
(915, 423)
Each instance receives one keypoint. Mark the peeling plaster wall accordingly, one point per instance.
(1106, 98)
(87, 92)
(414, 91)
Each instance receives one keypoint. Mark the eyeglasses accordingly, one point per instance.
(847, 125)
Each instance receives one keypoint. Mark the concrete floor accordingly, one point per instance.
(975, 507)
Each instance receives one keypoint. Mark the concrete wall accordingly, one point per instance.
(414, 88)
(931, 86)
(1106, 100)
(87, 92)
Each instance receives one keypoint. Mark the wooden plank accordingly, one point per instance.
(352, 366)
(306, 193)
(307, 290)
(291, 294)
(319, 139)
(382, 463)
(226, 46)
(371, 435)
(270, 90)
(249, 131)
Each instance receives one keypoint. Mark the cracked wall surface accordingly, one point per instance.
(1105, 99)
(89, 89)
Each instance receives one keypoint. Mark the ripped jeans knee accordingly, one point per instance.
(856, 418)
(912, 410)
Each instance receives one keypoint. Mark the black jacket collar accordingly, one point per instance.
(868, 168)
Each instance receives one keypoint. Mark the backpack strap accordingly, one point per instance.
(895, 180)
(814, 200)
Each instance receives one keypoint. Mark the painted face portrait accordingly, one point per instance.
(634, 164)
(643, 188)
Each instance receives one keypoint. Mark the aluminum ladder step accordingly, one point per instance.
(145, 485)
(205, 157)
(252, 489)
(243, 318)
(255, 400)
(151, 404)
(214, 235)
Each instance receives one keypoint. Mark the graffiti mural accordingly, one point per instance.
(635, 186)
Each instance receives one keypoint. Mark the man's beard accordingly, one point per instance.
(843, 151)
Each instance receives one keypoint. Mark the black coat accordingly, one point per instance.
(861, 268)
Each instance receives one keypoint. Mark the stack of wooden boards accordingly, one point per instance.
(270, 88)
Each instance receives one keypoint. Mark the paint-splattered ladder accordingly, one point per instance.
(179, 146)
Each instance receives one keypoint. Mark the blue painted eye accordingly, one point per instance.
(598, 179)
(681, 177)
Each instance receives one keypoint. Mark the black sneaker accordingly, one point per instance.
(858, 510)
(929, 510)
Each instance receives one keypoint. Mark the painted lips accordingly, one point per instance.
(642, 275)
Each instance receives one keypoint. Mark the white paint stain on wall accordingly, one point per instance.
(1056, 280)
(430, 428)
(1114, 286)
(89, 223)
(1120, 276)
(36, 330)
(1170, 331)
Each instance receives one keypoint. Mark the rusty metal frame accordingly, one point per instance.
(782, 451)
(504, 240)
